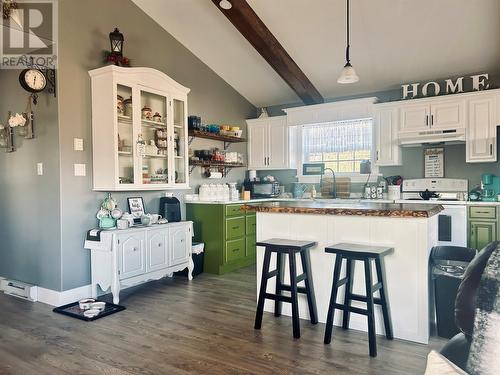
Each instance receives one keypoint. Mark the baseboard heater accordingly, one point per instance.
(19, 289)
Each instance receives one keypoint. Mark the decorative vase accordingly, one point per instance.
(263, 112)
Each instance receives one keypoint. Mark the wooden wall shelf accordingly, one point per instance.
(227, 139)
(226, 167)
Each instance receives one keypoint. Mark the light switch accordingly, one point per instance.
(78, 144)
(80, 170)
(39, 169)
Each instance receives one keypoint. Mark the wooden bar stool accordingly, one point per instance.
(364, 253)
(287, 247)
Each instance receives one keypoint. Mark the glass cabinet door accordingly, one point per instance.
(180, 141)
(125, 136)
(153, 138)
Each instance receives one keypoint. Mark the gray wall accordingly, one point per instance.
(30, 242)
(83, 35)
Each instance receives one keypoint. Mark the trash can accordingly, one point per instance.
(197, 254)
(448, 264)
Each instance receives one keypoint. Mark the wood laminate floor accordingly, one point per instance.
(173, 326)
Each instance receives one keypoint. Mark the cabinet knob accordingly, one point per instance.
(159, 244)
(134, 249)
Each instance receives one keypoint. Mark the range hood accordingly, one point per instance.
(450, 136)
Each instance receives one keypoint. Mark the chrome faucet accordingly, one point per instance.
(334, 192)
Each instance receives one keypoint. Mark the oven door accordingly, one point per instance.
(452, 225)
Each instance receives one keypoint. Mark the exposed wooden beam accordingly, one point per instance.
(260, 37)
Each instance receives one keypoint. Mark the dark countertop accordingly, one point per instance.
(347, 209)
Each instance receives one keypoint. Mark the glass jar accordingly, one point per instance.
(3, 138)
(22, 131)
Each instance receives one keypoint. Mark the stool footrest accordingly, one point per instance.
(341, 282)
(301, 277)
(376, 287)
(352, 309)
(360, 298)
(277, 297)
(271, 274)
(288, 288)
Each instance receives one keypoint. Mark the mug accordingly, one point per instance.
(146, 220)
(116, 213)
(122, 224)
(155, 218)
(129, 217)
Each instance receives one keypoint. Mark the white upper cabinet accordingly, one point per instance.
(415, 117)
(387, 149)
(268, 143)
(257, 144)
(448, 114)
(133, 149)
(481, 144)
(436, 113)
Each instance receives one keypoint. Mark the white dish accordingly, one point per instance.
(98, 306)
(86, 303)
(91, 313)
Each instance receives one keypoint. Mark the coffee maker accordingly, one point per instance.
(490, 186)
(170, 208)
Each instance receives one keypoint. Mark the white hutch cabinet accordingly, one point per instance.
(119, 163)
(123, 258)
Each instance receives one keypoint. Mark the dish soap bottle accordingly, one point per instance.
(313, 192)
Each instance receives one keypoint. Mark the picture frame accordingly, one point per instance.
(434, 162)
(136, 207)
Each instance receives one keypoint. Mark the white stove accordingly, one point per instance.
(452, 195)
(442, 189)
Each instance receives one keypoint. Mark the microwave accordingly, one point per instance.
(264, 189)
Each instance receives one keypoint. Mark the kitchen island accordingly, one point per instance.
(410, 229)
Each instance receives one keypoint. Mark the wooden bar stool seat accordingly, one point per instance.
(282, 248)
(365, 253)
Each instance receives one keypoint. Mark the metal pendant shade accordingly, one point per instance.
(348, 74)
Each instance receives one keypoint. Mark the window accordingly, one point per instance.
(341, 145)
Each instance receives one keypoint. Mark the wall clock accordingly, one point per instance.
(33, 80)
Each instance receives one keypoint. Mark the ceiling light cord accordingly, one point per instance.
(348, 74)
(348, 36)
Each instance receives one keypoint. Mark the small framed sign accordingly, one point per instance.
(313, 169)
(434, 162)
(136, 207)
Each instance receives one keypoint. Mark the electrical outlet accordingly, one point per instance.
(39, 169)
(80, 170)
(78, 144)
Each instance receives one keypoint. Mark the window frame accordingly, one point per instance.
(354, 176)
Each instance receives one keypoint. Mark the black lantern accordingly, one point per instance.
(116, 39)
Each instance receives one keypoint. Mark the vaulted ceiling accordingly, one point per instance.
(392, 42)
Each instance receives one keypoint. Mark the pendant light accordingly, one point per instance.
(348, 74)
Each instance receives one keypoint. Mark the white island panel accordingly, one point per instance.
(406, 268)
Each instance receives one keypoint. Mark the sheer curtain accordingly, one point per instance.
(338, 136)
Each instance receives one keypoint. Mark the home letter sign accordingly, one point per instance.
(477, 82)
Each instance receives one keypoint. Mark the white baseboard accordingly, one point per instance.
(55, 298)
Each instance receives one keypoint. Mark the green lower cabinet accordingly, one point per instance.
(229, 235)
(483, 226)
(251, 248)
(481, 233)
(235, 249)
